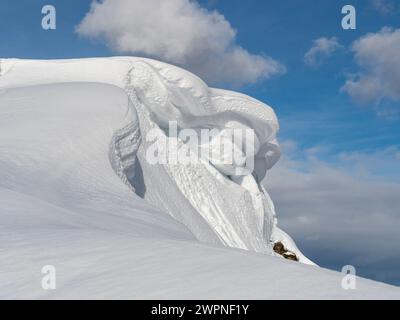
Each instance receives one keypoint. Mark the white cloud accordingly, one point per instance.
(321, 49)
(180, 32)
(377, 55)
(384, 7)
(341, 213)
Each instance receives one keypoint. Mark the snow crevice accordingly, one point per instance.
(123, 150)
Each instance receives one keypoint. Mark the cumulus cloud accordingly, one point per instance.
(180, 32)
(321, 49)
(338, 213)
(377, 55)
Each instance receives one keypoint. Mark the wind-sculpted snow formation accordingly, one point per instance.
(213, 203)
(77, 190)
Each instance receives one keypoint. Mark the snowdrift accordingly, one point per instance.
(77, 191)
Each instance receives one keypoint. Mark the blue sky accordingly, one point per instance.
(307, 96)
(321, 125)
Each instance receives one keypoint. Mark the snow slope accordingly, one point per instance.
(77, 192)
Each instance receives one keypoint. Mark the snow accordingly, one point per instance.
(77, 192)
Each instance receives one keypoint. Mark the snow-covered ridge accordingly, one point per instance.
(77, 192)
(235, 211)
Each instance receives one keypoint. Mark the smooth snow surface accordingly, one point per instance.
(77, 192)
